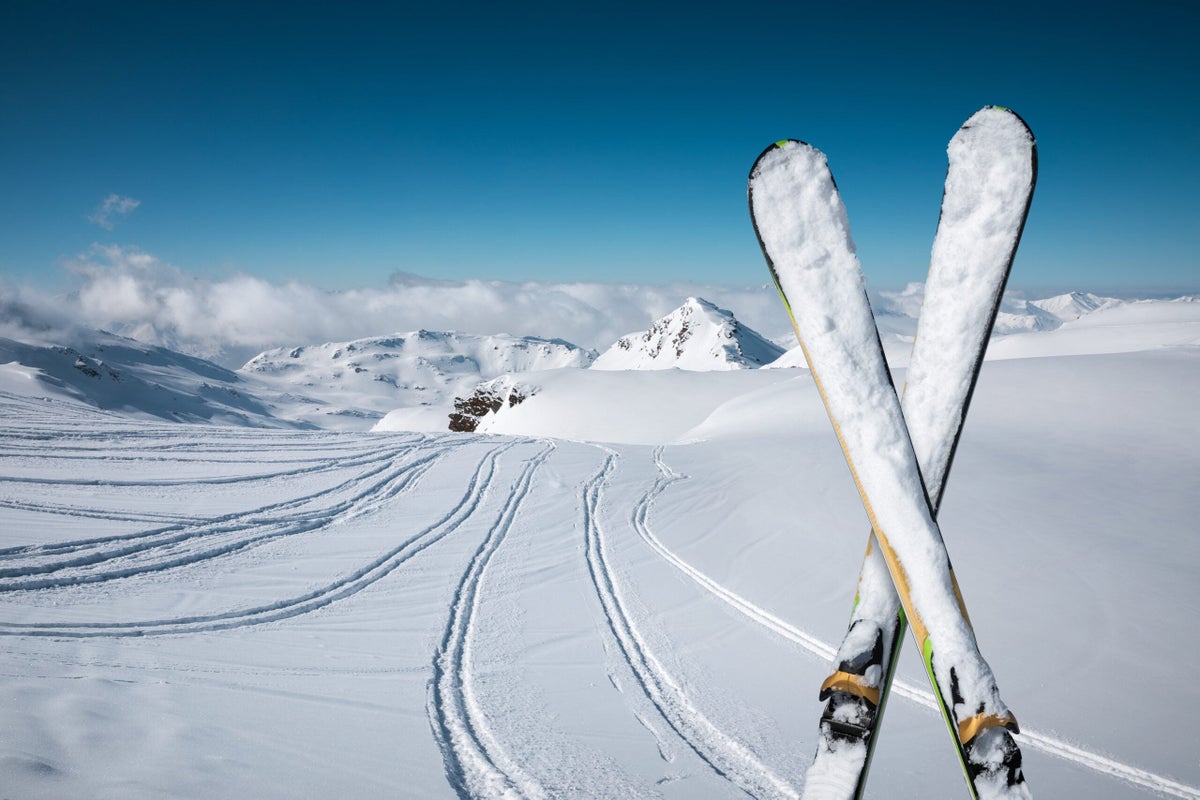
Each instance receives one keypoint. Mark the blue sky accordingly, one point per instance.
(335, 144)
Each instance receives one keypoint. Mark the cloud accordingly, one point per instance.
(112, 209)
(230, 320)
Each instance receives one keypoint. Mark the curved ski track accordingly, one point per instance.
(477, 765)
(1054, 746)
(727, 757)
(339, 589)
(122, 556)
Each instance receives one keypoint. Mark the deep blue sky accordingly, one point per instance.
(336, 143)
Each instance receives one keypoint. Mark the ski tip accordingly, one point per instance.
(1002, 127)
(782, 144)
(999, 117)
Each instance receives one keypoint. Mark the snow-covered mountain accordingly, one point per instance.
(353, 384)
(1073, 305)
(113, 373)
(1018, 315)
(696, 336)
(415, 378)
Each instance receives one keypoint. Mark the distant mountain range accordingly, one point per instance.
(417, 376)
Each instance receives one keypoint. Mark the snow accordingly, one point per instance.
(115, 373)
(352, 385)
(1113, 328)
(624, 407)
(631, 587)
(696, 336)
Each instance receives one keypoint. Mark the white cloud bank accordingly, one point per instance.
(112, 209)
(136, 294)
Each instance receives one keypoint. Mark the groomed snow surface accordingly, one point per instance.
(209, 611)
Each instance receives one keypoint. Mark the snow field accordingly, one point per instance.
(611, 620)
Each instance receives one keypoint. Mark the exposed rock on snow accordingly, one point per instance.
(488, 398)
(696, 336)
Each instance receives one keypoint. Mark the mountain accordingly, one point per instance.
(416, 378)
(1074, 305)
(697, 336)
(354, 384)
(113, 373)
(1019, 315)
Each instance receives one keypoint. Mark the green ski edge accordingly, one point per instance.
(885, 692)
(927, 657)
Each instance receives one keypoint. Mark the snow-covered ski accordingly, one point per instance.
(802, 228)
(989, 185)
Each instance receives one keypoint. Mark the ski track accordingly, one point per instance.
(1051, 745)
(289, 607)
(477, 764)
(376, 462)
(724, 755)
(176, 545)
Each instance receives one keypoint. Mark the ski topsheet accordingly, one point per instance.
(802, 228)
(989, 185)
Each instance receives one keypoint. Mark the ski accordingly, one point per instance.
(989, 184)
(802, 227)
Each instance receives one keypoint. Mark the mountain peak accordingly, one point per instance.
(698, 336)
(1073, 305)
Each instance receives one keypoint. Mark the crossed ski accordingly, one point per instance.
(900, 459)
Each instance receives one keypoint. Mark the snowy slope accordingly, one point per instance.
(1075, 323)
(1112, 328)
(353, 384)
(201, 612)
(696, 336)
(111, 372)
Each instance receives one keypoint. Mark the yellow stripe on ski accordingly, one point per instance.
(895, 567)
